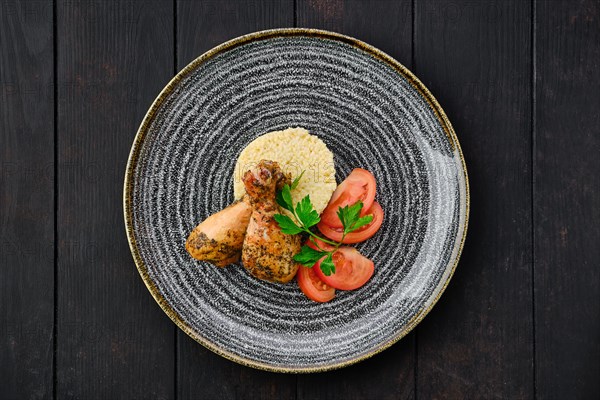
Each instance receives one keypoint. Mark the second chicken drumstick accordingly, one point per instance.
(267, 252)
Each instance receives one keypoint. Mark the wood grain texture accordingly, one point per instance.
(388, 375)
(386, 25)
(475, 57)
(26, 200)
(113, 340)
(201, 26)
(567, 200)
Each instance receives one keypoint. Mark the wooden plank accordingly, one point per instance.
(567, 200)
(201, 26)
(475, 57)
(26, 200)
(389, 375)
(113, 340)
(388, 26)
(385, 24)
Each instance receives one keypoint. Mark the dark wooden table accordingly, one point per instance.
(519, 81)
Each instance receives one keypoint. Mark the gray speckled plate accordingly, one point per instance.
(372, 113)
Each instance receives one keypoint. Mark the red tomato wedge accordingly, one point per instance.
(312, 286)
(359, 185)
(352, 269)
(359, 235)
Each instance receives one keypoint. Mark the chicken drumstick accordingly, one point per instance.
(267, 252)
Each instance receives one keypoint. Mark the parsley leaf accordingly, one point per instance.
(349, 215)
(327, 265)
(297, 180)
(308, 256)
(306, 213)
(284, 198)
(286, 224)
(362, 221)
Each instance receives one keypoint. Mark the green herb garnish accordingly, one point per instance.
(305, 217)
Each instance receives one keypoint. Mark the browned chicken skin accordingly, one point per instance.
(267, 252)
(219, 238)
(247, 228)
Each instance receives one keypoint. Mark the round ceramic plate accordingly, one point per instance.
(372, 113)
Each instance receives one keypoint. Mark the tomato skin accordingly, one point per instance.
(359, 185)
(352, 269)
(312, 286)
(359, 235)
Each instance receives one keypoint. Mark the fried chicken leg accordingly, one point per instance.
(267, 252)
(219, 238)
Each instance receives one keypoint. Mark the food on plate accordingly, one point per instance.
(359, 185)
(305, 217)
(219, 238)
(359, 235)
(314, 288)
(332, 265)
(265, 227)
(267, 252)
(296, 150)
(352, 269)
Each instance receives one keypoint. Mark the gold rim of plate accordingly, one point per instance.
(149, 117)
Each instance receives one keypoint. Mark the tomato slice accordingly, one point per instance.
(359, 185)
(312, 286)
(352, 269)
(359, 235)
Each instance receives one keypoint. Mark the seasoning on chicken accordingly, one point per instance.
(219, 238)
(267, 252)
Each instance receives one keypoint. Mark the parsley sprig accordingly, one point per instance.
(305, 217)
